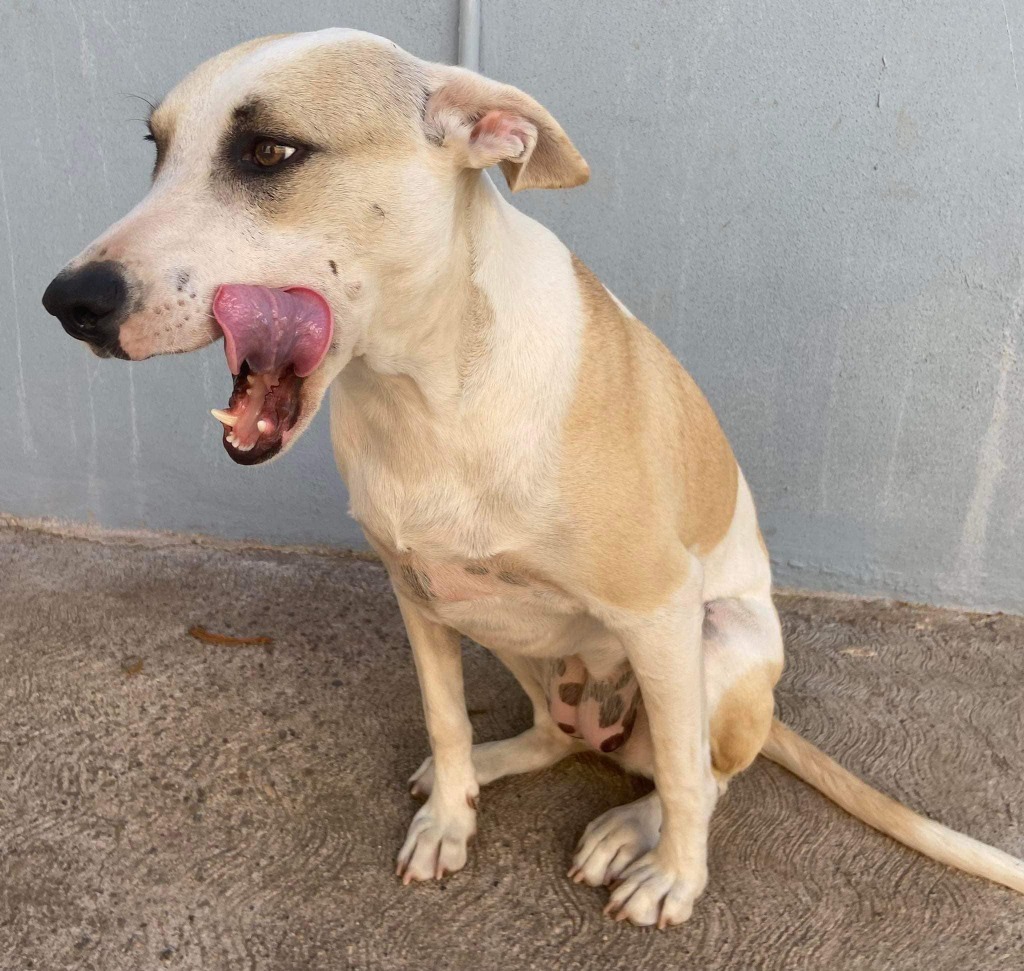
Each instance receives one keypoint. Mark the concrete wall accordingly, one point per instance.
(820, 207)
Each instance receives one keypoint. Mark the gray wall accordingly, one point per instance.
(820, 207)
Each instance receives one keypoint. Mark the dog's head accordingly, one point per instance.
(299, 181)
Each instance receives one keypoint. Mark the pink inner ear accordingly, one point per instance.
(502, 134)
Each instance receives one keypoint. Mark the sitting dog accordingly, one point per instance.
(534, 468)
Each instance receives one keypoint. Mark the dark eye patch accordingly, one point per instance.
(234, 162)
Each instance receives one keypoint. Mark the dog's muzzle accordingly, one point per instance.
(91, 303)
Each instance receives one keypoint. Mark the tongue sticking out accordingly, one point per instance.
(272, 340)
(272, 328)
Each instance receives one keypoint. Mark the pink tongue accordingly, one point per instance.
(271, 328)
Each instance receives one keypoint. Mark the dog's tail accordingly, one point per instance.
(888, 816)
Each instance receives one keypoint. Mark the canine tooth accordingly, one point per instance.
(250, 379)
(224, 417)
(262, 425)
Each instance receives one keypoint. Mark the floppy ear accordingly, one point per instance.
(486, 123)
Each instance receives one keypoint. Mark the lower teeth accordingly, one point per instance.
(237, 445)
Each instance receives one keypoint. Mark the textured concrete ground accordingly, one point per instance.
(168, 803)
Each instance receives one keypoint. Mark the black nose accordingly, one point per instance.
(90, 303)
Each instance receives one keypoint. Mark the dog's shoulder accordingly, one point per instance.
(646, 463)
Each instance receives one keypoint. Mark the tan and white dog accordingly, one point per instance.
(534, 468)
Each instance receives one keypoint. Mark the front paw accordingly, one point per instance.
(652, 892)
(436, 843)
(614, 840)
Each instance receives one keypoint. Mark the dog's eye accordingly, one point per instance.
(267, 153)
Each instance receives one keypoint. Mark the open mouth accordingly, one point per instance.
(273, 340)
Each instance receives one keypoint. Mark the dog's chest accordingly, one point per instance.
(454, 517)
(442, 580)
(445, 538)
(498, 601)
(438, 579)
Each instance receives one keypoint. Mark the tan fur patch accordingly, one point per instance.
(742, 720)
(647, 469)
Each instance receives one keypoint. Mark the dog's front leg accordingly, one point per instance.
(664, 649)
(442, 827)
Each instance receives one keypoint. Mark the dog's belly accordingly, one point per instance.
(591, 691)
(590, 687)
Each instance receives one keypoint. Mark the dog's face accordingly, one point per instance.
(300, 184)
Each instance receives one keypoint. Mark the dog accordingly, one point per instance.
(533, 467)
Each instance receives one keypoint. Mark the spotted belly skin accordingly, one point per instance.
(602, 712)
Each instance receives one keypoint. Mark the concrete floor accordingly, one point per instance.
(166, 803)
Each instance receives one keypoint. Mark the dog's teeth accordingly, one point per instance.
(224, 417)
(262, 425)
(231, 440)
(250, 379)
(248, 392)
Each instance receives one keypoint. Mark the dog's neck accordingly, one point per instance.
(457, 399)
(430, 324)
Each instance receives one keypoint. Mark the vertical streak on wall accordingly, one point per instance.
(1016, 78)
(95, 492)
(140, 498)
(23, 421)
(974, 537)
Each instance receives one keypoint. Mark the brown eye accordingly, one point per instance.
(268, 153)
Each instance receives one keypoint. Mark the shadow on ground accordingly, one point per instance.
(166, 803)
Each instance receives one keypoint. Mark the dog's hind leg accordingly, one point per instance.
(537, 748)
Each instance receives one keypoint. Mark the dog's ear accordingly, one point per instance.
(484, 122)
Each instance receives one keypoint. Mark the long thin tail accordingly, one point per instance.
(886, 815)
